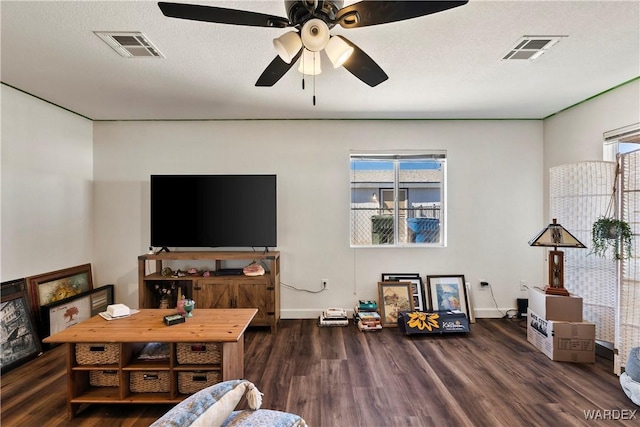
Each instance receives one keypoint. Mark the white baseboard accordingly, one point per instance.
(493, 313)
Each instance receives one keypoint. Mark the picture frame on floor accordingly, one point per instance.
(19, 341)
(417, 287)
(394, 297)
(61, 315)
(13, 286)
(472, 313)
(448, 292)
(58, 285)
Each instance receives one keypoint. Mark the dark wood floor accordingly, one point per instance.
(339, 376)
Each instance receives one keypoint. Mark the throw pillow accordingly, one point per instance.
(209, 407)
(264, 418)
(633, 364)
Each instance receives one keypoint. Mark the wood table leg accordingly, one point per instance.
(233, 360)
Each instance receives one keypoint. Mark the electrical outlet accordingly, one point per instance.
(325, 283)
(523, 285)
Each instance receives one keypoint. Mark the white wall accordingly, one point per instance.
(47, 173)
(494, 192)
(53, 216)
(576, 135)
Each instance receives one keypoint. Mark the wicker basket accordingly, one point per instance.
(97, 354)
(199, 353)
(104, 378)
(149, 382)
(191, 382)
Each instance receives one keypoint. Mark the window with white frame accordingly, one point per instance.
(398, 199)
(620, 141)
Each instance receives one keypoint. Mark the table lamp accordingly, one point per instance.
(556, 236)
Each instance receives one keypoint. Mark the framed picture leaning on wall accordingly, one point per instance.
(448, 293)
(394, 298)
(58, 285)
(417, 288)
(19, 341)
(61, 315)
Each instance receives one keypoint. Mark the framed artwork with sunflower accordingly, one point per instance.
(45, 289)
(448, 293)
(394, 298)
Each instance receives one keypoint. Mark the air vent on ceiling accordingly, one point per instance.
(532, 47)
(130, 44)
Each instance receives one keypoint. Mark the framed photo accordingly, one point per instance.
(61, 315)
(58, 285)
(472, 312)
(448, 293)
(19, 340)
(13, 287)
(417, 289)
(394, 298)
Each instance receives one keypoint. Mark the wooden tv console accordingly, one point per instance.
(223, 329)
(233, 291)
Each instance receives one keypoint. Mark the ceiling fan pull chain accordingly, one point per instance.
(302, 59)
(314, 80)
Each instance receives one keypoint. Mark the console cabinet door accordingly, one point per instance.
(254, 295)
(214, 294)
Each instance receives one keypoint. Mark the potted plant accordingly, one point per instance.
(611, 233)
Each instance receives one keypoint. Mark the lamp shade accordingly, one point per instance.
(556, 236)
(288, 45)
(314, 34)
(310, 63)
(338, 51)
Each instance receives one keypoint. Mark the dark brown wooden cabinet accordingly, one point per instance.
(233, 291)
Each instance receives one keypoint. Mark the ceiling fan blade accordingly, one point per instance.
(363, 67)
(365, 13)
(275, 70)
(221, 15)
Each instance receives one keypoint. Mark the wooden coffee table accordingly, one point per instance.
(220, 330)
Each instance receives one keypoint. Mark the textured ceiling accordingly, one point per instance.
(445, 65)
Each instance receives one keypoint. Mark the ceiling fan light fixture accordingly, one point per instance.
(315, 34)
(288, 45)
(310, 63)
(338, 51)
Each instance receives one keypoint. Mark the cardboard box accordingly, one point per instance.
(555, 307)
(562, 341)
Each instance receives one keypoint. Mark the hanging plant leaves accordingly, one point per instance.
(611, 234)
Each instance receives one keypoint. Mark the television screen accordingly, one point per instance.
(213, 211)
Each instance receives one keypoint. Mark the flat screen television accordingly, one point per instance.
(213, 211)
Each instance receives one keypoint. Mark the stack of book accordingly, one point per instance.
(333, 317)
(366, 317)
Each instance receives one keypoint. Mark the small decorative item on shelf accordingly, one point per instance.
(179, 273)
(253, 269)
(164, 302)
(165, 290)
(192, 272)
(167, 272)
(206, 273)
(188, 306)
